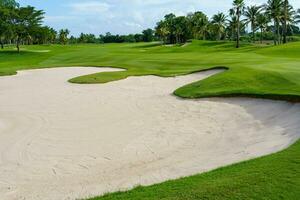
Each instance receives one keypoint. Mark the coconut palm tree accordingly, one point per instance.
(237, 10)
(297, 16)
(219, 20)
(262, 23)
(162, 31)
(288, 18)
(251, 13)
(274, 10)
(284, 19)
(198, 23)
(63, 36)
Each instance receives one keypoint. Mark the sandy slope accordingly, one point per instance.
(65, 141)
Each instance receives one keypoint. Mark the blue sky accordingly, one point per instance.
(122, 16)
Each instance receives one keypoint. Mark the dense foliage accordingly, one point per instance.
(146, 36)
(22, 25)
(276, 16)
(276, 20)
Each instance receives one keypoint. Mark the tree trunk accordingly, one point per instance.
(261, 36)
(253, 32)
(2, 45)
(284, 32)
(275, 35)
(278, 33)
(18, 45)
(238, 29)
(284, 28)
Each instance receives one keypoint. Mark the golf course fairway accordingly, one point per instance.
(64, 140)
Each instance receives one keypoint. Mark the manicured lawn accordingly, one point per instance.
(256, 71)
(265, 72)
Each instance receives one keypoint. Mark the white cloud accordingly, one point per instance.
(131, 24)
(125, 16)
(91, 7)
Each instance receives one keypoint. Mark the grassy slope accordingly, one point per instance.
(267, 72)
(254, 71)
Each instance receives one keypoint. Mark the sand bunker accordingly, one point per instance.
(66, 141)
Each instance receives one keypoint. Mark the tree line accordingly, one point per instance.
(22, 25)
(146, 36)
(275, 20)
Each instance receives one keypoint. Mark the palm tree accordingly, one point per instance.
(288, 18)
(162, 31)
(180, 29)
(251, 15)
(63, 36)
(237, 10)
(262, 23)
(198, 23)
(297, 16)
(274, 10)
(219, 20)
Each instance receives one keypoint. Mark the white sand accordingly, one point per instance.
(66, 141)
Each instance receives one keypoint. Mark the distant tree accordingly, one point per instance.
(63, 36)
(9, 3)
(138, 37)
(262, 24)
(197, 24)
(219, 21)
(170, 25)
(232, 27)
(42, 35)
(237, 11)
(25, 19)
(251, 13)
(87, 38)
(297, 16)
(6, 24)
(162, 31)
(181, 29)
(148, 35)
(287, 18)
(274, 10)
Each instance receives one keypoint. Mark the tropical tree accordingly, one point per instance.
(251, 13)
(63, 36)
(148, 35)
(287, 18)
(181, 29)
(170, 24)
(219, 21)
(297, 16)
(4, 24)
(274, 10)
(237, 10)
(198, 24)
(25, 19)
(6, 9)
(262, 24)
(162, 31)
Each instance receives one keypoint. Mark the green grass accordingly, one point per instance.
(256, 71)
(271, 72)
